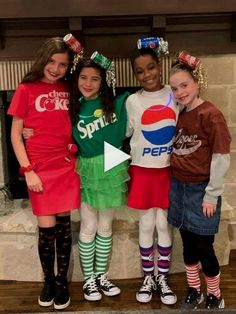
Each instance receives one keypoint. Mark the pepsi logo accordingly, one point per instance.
(158, 124)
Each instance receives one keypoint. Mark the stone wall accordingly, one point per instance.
(222, 92)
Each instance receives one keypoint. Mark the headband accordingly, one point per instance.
(76, 47)
(195, 66)
(158, 44)
(108, 65)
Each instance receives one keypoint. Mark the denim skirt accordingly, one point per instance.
(185, 209)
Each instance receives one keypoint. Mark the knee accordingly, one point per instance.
(105, 230)
(88, 228)
(146, 226)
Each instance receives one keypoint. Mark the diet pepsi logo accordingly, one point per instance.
(158, 124)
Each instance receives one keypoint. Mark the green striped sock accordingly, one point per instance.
(102, 253)
(87, 251)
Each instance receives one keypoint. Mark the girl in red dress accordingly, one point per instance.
(47, 162)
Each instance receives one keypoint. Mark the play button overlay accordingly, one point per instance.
(113, 156)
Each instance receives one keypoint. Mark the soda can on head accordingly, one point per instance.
(101, 60)
(191, 61)
(73, 43)
(150, 42)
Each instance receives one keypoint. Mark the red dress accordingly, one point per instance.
(44, 107)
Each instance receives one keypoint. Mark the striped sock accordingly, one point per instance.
(213, 285)
(193, 278)
(87, 251)
(163, 263)
(102, 253)
(147, 260)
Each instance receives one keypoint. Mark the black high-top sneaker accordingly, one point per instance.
(106, 286)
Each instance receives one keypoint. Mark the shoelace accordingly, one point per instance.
(148, 284)
(164, 286)
(104, 281)
(91, 284)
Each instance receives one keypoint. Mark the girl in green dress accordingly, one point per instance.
(97, 117)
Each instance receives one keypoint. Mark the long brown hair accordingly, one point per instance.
(50, 47)
(106, 92)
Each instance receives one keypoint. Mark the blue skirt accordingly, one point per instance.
(186, 208)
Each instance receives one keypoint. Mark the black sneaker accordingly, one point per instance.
(62, 296)
(167, 295)
(91, 290)
(213, 303)
(46, 297)
(106, 286)
(192, 300)
(144, 295)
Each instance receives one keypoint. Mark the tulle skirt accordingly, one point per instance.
(102, 190)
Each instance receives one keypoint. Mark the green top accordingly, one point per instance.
(92, 130)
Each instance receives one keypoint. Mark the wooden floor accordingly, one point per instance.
(21, 297)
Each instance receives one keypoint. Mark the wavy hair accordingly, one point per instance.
(50, 47)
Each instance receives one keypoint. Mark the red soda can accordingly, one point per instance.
(150, 42)
(191, 61)
(73, 43)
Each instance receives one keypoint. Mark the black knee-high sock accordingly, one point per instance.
(63, 247)
(46, 249)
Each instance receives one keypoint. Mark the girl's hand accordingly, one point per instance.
(208, 209)
(27, 133)
(33, 181)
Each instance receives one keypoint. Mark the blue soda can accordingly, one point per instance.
(150, 42)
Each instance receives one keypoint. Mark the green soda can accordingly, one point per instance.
(101, 60)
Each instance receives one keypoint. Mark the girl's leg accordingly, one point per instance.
(86, 243)
(211, 270)
(63, 248)
(103, 240)
(46, 249)
(164, 247)
(146, 229)
(192, 267)
(102, 252)
(164, 243)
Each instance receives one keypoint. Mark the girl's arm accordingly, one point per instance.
(219, 166)
(33, 181)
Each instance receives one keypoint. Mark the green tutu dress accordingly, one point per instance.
(100, 189)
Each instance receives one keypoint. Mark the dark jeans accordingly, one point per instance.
(200, 248)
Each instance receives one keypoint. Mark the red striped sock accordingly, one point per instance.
(213, 285)
(193, 278)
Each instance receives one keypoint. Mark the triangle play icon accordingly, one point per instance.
(113, 156)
